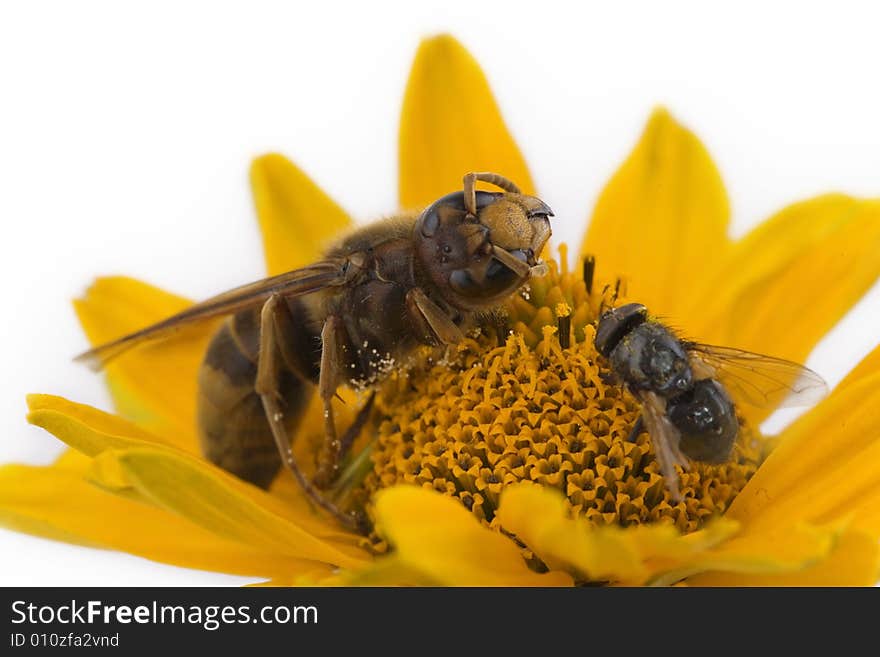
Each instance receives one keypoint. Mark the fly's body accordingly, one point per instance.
(686, 389)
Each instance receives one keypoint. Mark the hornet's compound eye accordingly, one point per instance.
(496, 279)
(448, 211)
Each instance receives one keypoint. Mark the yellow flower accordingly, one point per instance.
(807, 514)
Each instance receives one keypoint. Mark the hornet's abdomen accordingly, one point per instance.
(232, 425)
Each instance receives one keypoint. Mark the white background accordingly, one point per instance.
(126, 133)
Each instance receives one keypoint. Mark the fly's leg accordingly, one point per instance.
(268, 374)
(665, 439)
(610, 296)
(638, 427)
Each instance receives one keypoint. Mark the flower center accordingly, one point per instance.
(540, 406)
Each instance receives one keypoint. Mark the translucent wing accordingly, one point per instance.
(665, 439)
(763, 381)
(294, 283)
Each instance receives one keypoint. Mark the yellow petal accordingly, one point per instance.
(825, 466)
(436, 539)
(661, 221)
(652, 554)
(56, 503)
(538, 516)
(853, 561)
(71, 458)
(847, 488)
(394, 570)
(316, 577)
(93, 432)
(781, 550)
(863, 510)
(450, 125)
(296, 217)
(792, 278)
(220, 503)
(154, 384)
(85, 428)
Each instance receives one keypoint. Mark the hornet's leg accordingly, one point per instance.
(354, 429)
(517, 266)
(435, 324)
(332, 335)
(268, 373)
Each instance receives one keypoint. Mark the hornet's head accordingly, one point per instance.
(478, 248)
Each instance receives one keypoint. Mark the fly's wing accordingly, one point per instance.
(756, 379)
(665, 438)
(328, 273)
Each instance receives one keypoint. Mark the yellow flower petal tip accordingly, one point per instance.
(662, 218)
(107, 309)
(297, 218)
(84, 428)
(450, 124)
(434, 536)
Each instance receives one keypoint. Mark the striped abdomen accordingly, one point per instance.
(233, 429)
